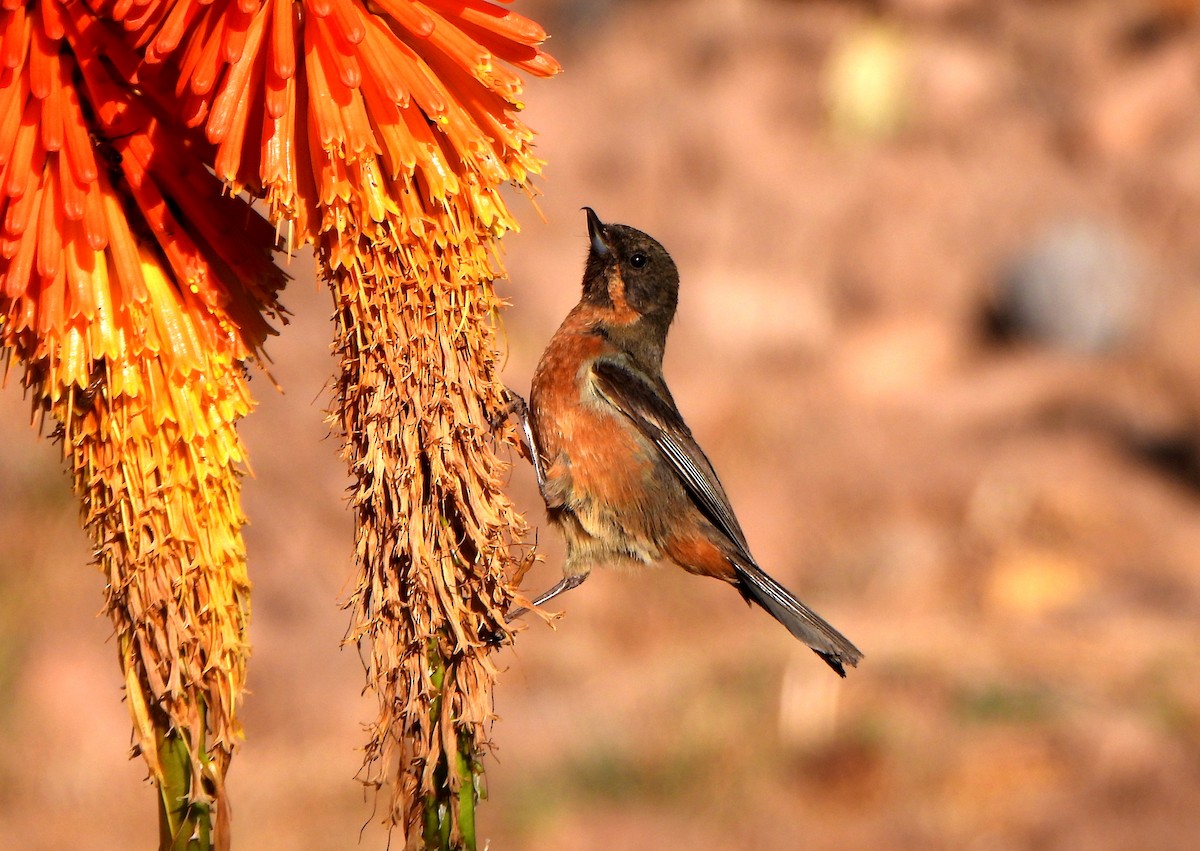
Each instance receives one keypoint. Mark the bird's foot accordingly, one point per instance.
(566, 584)
(516, 404)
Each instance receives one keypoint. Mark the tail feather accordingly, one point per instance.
(801, 621)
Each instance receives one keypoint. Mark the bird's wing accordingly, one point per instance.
(652, 410)
(655, 415)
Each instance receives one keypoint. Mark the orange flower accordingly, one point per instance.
(134, 292)
(291, 93)
(90, 181)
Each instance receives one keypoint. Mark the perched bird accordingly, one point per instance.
(621, 474)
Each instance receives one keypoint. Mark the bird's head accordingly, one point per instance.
(630, 278)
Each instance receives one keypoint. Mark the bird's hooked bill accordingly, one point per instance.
(596, 232)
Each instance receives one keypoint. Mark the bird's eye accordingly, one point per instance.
(638, 260)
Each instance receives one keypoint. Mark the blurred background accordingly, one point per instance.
(937, 333)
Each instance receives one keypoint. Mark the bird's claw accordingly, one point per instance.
(516, 404)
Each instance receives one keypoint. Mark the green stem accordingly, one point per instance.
(442, 802)
(183, 824)
(470, 774)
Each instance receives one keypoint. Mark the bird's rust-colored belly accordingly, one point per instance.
(599, 468)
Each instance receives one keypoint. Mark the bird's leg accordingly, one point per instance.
(567, 583)
(517, 405)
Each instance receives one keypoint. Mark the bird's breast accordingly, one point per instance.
(595, 459)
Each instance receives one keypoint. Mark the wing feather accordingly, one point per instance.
(653, 412)
(650, 407)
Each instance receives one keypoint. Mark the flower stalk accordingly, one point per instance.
(460, 794)
(184, 824)
(434, 531)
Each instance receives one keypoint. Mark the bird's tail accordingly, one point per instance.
(801, 621)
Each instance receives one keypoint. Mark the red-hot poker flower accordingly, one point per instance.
(134, 292)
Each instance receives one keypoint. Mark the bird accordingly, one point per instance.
(622, 476)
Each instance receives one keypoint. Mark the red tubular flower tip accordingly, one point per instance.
(336, 54)
(12, 47)
(231, 104)
(408, 16)
(24, 165)
(77, 145)
(49, 235)
(347, 21)
(179, 20)
(52, 19)
(283, 39)
(74, 196)
(236, 24)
